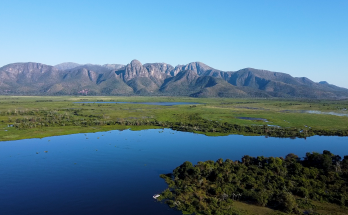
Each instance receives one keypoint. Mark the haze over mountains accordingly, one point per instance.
(194, 79)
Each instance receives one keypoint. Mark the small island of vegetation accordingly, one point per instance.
(285, 185)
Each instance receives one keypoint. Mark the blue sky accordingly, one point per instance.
(302, 38)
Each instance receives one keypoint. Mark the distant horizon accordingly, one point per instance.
(300, 38)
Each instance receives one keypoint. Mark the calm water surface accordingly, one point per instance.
(117, 172)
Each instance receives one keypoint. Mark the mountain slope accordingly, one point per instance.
(282, 85)
(217, 87)
(189, 82)
(28, 78)
(94, 79)
(182, 84)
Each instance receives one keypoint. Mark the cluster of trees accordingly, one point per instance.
(211, 187)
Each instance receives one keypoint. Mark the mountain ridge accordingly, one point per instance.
(193, 79)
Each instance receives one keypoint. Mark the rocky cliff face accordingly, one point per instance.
(198, 67)
(193, 79)
(134, 69)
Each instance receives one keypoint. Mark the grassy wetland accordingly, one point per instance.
(24, 117)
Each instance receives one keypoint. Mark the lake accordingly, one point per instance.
(145, 103)
(117, 172)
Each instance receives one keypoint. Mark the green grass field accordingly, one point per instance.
(283, 113)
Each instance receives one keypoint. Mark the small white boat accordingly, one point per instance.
(156, 196)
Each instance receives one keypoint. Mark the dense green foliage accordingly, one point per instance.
(284, 184)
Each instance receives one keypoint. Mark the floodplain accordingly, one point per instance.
(107, 124)
(24, 117)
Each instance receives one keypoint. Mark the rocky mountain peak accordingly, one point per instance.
(135, 63)
(198, 67)
(154, 68)
(134, 69)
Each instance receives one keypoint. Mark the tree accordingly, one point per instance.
(287, 202)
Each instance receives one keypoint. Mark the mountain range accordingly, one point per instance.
(194, 79)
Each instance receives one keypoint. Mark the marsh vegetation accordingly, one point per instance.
(45, 116)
